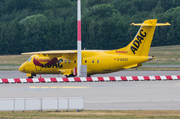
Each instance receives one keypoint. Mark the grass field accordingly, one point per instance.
(169, 55)
(154, 69)
(90, 114)
(13, 59)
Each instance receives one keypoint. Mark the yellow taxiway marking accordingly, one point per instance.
(178, 83)
(44, 87)
(53, 87)
(34, 87)
(73, 87)
(59, 87)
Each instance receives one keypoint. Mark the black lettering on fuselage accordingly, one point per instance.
(122, 59)
(56, 65)
(137, 42)
(60, 65)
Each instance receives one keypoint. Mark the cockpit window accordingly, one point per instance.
(29, 60)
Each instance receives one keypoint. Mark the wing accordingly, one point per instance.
(59, 53)
(52, 53)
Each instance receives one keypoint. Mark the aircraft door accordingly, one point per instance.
(105, 64)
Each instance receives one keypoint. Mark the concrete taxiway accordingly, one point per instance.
(17, 74)
(127, 95)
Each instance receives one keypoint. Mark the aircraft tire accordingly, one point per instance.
(71, 75)
(30, 77)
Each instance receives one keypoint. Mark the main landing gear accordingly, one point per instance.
(71, 75)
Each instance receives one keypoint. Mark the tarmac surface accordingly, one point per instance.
(17, 74)
(124, 95)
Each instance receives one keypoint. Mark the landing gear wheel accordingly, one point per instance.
(30, 77)
(71, 75)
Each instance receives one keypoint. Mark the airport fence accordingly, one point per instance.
(40, 104)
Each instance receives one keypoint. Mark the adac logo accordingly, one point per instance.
(44, 62)
(138, 41)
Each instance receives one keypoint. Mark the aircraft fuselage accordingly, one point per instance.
(97, 63)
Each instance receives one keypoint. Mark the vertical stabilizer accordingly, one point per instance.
(140, 45)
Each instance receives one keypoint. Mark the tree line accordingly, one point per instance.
(39, 25)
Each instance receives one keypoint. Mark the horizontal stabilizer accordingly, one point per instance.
(149, 24)
(163, 24)
(141, 24)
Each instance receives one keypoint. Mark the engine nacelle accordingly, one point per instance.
(44, 61)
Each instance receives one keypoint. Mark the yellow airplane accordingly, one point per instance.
(98, 61)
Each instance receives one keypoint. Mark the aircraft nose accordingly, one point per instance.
(22, 68)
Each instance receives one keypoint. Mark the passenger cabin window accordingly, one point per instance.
(92, 61)
(29, 60)
(85, 61)
(97, 61)
(69, 61)
(74, 61)
(65, 61)
(60, 60)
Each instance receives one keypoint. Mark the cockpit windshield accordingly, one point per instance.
(29, 60)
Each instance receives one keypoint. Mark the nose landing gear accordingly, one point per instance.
(29, 75)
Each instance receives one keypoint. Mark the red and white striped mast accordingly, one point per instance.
(79, 38)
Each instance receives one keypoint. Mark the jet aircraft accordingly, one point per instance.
(98, 61)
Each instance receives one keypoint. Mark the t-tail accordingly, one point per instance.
(140, 45)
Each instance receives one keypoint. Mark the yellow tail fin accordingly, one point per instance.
(140, 45)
